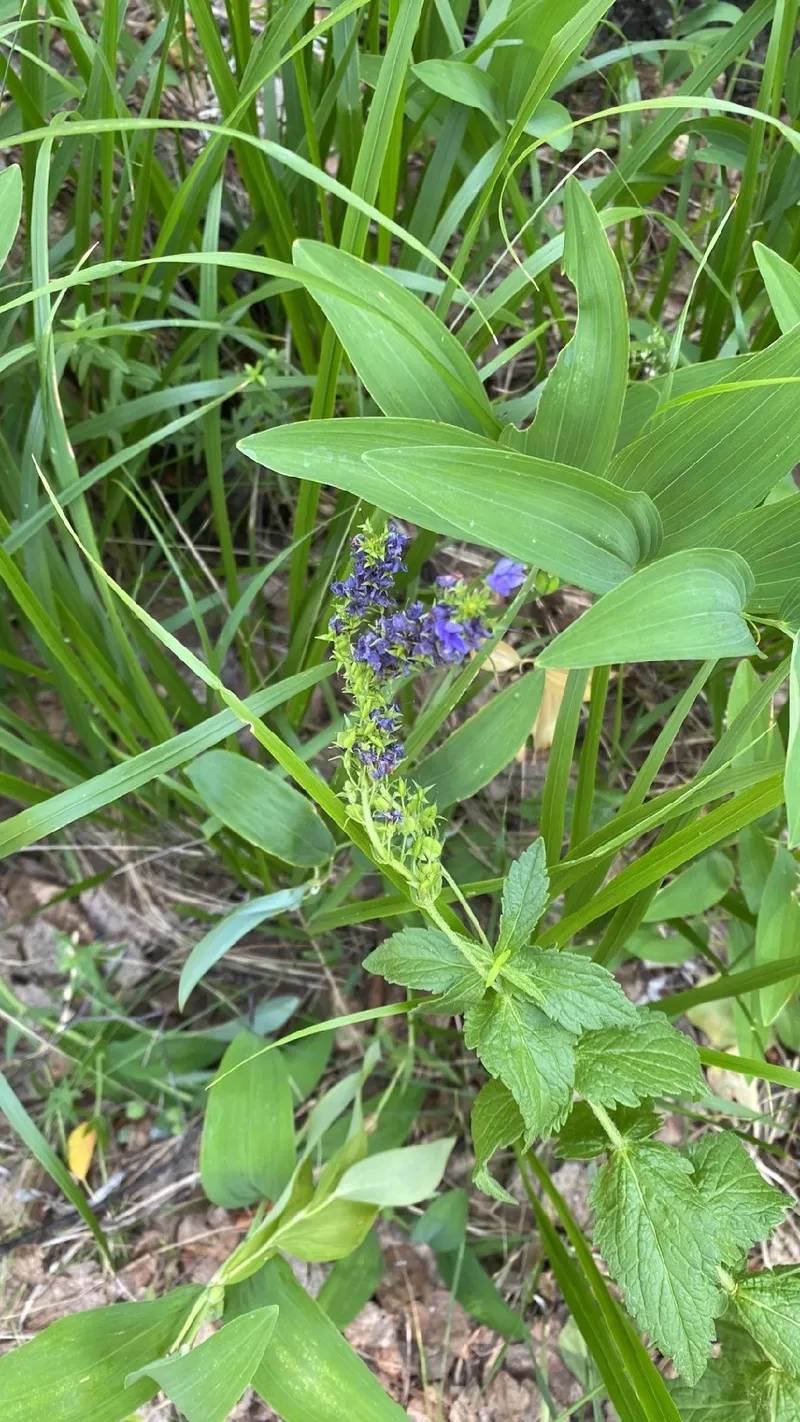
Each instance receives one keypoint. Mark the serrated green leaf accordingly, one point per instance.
(681, 608)
(733, 1386)
(207, 1382)
(768, 1306)
(623, 1065)
(424, 958)
(495, 1122)
(656, 1236)
(531, 1055)
(744, 1207)
(582, 1137)
(524, 897)
(573, 991)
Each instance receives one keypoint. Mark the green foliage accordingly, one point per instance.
(655, 1232)
(212, 329)
(625, 1065)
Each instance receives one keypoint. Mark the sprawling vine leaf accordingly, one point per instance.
(656, 1235)
(530, 1054)
(623, 1065)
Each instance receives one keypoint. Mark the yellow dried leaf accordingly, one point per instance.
(504, 658)
(80, 1149)
(555, 681)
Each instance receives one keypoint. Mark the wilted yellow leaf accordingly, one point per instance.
(504, 658)
(80, 1149)
(555, 681)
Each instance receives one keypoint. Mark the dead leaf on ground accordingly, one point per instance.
(80, 1150)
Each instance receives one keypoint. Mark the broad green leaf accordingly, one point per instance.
(733, 1388)
(409, 361)
(475, 1291)
(574, 524)
(782, 281)
(657, 1238)
(791, 779)
(352, 1282)
(682, 608)
(765, 745)
(529, 1054)
(207, 1382)
(743, 1206)
(443, 1227)
(443, 1224)
(10, 208)
(77, 1367)
(333, 1384)
(582, 1137)
(768, 1305)
(495, 1122)
(463, 83)
(247, 1150)
(572, 990)
(579, 412)
(643, 397)
(230, 929)
(484, 745)
(755, 864)
(625, 1065)
(525, 893)
(769, 539)
(694, 890)
(425, 958)
(397, 1177)
(778, 930)
(329, 1230)
(705, 461)
(551, 121)
(262, 808)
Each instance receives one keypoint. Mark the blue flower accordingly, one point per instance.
(506, 575)
(381, 762)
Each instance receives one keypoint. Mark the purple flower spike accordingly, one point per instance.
(506, 576)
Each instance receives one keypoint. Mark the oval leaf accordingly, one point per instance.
(485, 744)
(247, 1151)
(404, 354)
(207, 1382)
(579, 413)
(682, 608)
(10, 208)
(397, 1177)
(260, 807)
(230, 929)
(575, 524)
